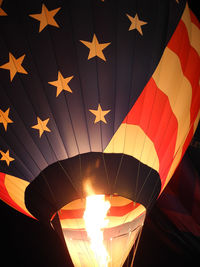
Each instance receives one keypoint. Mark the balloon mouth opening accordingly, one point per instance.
(121, 210)
(99, 205)
(62, 182)
(122, 222)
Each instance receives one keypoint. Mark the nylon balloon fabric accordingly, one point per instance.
(106, 90)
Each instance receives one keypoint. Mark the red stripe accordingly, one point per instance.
(194, 19)
(4, 195)
(71, 214)
(3, 192)
(117, 211)
(153, 113)
(189, 58)
(190, 62)
(159, 123)
(122, 210)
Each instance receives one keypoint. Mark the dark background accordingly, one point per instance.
(27, 242)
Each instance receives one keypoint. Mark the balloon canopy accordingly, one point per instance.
(100, 90)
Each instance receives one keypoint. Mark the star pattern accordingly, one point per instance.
(61, 83)
(4, 119)
(136, 23)
(46, 17)
(6, 157)
(99, 114)
(96, 49)
(14, 65)
(41, 126)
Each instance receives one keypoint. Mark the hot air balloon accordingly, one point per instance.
(98, 98)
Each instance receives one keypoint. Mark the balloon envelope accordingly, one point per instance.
(99, 90)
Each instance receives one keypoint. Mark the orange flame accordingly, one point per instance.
(94, 216)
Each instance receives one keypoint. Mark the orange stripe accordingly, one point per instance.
(153, 113)
(131, 139)
(4, 195)
(190, 63)
(3, 192)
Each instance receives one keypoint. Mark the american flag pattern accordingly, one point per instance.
(95, 76)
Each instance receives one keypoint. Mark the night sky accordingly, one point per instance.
(26, 242)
